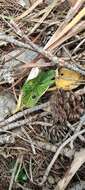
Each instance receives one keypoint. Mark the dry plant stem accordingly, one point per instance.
(18, 115)
(35, 4)
(9, 57)
(10, 139)
(30, 170)
(74, 31)
(18, 148)
(82, 120)
(79, 159)
(68, 27)
(68, 18)
(54, 59)
(11, 39)
(7, 139)
(14, 125)
(80, 91)
(19, 168)
(30, 140)
(78, 46)
(57, 154)
(46, 54)
(72, 128)
(33, 65)
(36, 15)
(14, 172)
(47, 12)
(73, 10)
(45, 124)
(78, 128)
(44, 145)
(72, 2)
(22, 187)
(73, 67)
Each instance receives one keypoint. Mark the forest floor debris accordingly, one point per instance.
(42, 67)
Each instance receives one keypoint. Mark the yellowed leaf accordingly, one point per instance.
(67, 79)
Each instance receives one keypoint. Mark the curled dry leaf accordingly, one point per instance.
(67, 79)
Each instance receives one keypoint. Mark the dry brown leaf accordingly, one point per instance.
(67, 79)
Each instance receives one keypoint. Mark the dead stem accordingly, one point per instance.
(57, 154)
(14, 171)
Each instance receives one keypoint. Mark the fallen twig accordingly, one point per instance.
(35, 4)
(80, 91)
(14, 125)
(57, 154)
(14, 172)
(47, 12)
(18, 115)
(72, 12)
(78, 46)
(45, 145)
(30, 140)
(12, 40)
(57, 61)
(79, 159)
(19, 168)
(7, 139)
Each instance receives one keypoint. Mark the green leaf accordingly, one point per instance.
(35, 88)
(22, 177)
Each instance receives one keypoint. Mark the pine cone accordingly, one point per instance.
(66, 106)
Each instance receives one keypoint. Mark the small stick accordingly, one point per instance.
(7, 139)
(29, 10)
(14, 172)
(80, 91)
(78, 46)
(11, 39)
(18, 115)
(14, 125)
(19, 168)
(57, 154)
(79, 159)
(30, 170)
(46, 146)
(30, 140)
(59, 62)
